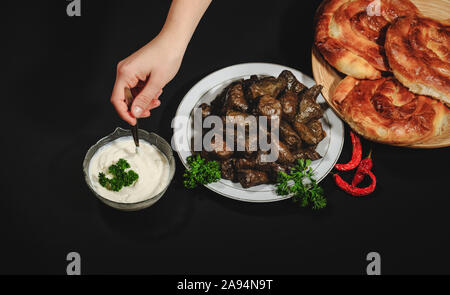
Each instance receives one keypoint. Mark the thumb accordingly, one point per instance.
(143, 102)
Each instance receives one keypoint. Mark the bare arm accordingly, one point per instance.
(158, 61)
(182, 20)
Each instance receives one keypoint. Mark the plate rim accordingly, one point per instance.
(252, 64)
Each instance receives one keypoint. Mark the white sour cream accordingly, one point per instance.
(149, 162)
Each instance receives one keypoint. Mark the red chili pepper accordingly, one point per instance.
(356, 155)
(363, 169)
(356, 191)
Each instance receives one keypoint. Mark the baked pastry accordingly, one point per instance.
(418, 50)
(350, 33)
(384, 110)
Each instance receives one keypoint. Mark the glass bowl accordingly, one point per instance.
(153, 139)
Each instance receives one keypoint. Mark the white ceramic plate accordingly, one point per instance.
(209, 87)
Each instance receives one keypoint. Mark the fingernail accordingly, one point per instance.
(137, 111)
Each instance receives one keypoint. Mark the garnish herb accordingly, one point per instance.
(201, 172)
(301, 184)
(120, 178)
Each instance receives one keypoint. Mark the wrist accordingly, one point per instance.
(173, 41)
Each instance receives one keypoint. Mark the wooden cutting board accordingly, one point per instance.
(327, 76)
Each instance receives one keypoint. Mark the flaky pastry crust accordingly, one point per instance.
(418, 50)
(350, 33)
(384, 110)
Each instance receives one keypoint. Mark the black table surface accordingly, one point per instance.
(59, 75)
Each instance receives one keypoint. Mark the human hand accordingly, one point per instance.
(156, 63)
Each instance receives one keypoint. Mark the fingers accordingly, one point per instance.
(118, 101)
(146, 114)
(154, 104)
(148, 97)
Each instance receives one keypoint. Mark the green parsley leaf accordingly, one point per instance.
(120, 178)
(201, 172)
(301, 184)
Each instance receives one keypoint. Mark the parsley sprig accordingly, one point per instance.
(200, 172)
(120, 178)
(301, 184)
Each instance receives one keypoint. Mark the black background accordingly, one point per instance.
(59, 76)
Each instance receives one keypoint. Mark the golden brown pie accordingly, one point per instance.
(384, 110)
(350, 33)
(418, 50)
